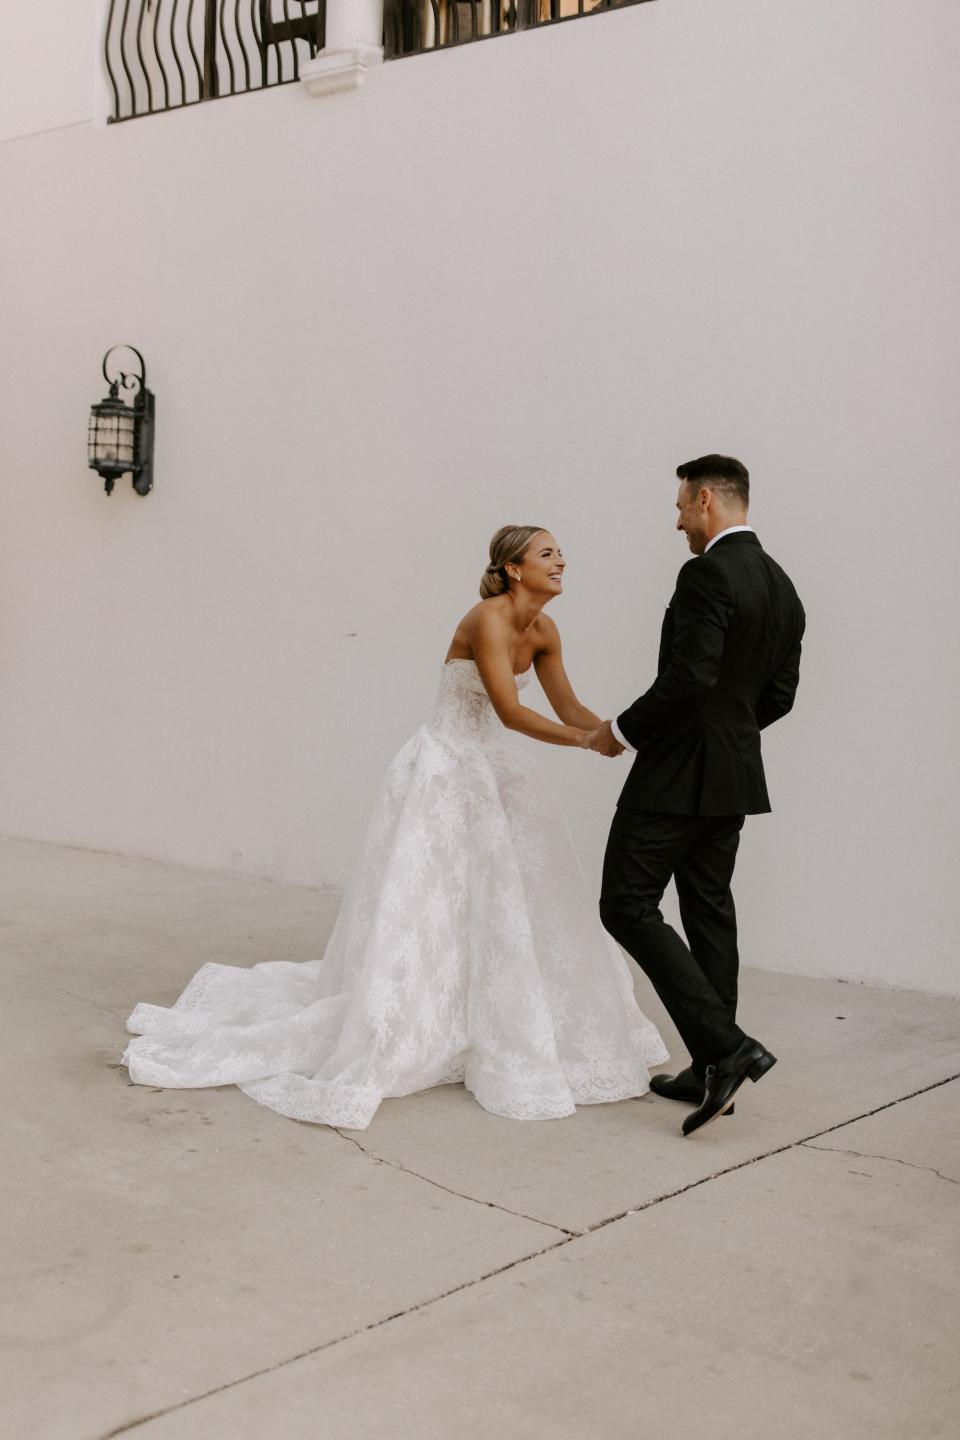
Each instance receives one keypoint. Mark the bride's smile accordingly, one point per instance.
(536, 578)
(543, 567)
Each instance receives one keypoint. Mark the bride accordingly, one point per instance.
(467, 947)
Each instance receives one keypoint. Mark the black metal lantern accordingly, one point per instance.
(120, 435)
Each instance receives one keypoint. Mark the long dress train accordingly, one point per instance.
(467, 948)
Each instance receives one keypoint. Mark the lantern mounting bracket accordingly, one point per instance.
(125, 379)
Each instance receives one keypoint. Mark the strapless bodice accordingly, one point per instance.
(463, 709)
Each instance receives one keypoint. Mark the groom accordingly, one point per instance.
(729, 666)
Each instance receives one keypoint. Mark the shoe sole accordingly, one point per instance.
(725, 1111)
(756, 1072)
(685, 1100)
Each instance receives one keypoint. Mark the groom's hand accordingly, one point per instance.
(604, 742)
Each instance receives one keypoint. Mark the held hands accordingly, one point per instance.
(603, 741)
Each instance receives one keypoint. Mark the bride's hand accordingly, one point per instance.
(603, 742)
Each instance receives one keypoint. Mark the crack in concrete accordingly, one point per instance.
(569, 1238)
(84, 999)
(474, 1199)
(869, 1155)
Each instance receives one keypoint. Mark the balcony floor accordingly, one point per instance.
(186, 1264)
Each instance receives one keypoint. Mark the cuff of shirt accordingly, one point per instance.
(619, 736)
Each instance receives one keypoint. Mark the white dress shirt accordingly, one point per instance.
(730, 530)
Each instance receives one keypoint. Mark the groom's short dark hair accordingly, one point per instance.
(718, 472)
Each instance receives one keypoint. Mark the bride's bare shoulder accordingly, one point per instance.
(545, 633)
(473, 613)
(486, 617)
(485, 621)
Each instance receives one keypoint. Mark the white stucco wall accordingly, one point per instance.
(49, 65)
(517, 282)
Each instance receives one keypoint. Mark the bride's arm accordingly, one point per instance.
(491, 651)
(555, 681)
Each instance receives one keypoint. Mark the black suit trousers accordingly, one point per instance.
(697, 983)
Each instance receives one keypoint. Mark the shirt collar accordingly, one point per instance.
(730, 530)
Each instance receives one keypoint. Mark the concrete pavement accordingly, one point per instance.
(178, 1264)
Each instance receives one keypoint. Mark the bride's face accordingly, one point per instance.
(542, 566)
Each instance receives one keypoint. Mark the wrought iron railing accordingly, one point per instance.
(162, 54)
(411, 27)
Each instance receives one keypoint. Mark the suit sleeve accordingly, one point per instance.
(703, 608)
(776, 698)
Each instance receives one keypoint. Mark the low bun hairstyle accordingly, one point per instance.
(507, 547)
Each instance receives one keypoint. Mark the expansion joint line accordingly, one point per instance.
(132, 1425)
(781, 1150)
(567, 1237)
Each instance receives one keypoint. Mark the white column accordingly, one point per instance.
(354, 42)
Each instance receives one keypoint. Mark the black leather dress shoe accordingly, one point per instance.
(750, 1061)
(687, 1086)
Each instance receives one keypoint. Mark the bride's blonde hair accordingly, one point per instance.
(507, 547)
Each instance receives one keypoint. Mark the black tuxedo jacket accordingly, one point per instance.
(729, 665)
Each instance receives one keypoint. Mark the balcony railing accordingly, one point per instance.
(162, 54)
(411, 27)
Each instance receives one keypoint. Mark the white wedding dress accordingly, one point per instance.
(467, 948)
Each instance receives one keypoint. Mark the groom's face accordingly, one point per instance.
(692, 516)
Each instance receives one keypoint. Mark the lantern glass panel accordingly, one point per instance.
(111, 436)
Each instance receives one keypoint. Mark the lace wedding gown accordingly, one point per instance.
(467, 948)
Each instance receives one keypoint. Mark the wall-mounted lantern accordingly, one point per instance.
(120, 435)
